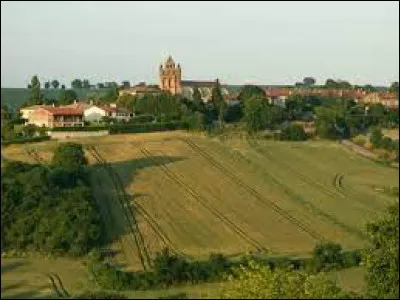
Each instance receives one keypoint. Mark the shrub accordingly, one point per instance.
(26, 140)
(376, 137)
(293, 132)
(327, 256)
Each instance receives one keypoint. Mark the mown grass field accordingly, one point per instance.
(198, 195)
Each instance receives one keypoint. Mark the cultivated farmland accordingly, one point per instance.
(198, 195)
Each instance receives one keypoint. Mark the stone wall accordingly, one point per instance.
(75, 134)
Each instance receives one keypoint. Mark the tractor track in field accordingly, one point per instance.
(157, 229)
(338, 179)
(240, 232)
(57, 285)
(263, 200)
(315, 209)
(124, 204)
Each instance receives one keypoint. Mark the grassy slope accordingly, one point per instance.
(188, 211)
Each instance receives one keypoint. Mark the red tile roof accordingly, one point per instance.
(113, 109)
(276, 92)
(63, 111)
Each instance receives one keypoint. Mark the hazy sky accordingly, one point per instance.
(238, 42)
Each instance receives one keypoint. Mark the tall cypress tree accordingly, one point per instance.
(218, 100)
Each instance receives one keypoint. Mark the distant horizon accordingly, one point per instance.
(261, 43)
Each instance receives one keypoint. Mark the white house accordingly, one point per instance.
(95, 113)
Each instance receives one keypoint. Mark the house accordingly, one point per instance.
(56, 117)
(387, 99)
(140, 90)
(27, 111)
(95, 113)
(277, 96)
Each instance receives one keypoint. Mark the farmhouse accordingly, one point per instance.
(56, 117)
(27, 111)
(95, 113)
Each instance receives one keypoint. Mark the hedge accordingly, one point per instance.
(129, 128)
(146, 127)
(26, 140)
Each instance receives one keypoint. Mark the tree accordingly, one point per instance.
(257, 281)
(127, 101)
(47, 85)
(293, 132)
(198, 100)
(85, 84)
(218, 101)
(100, 85)
(327, 256)
(376, 137)
(76, 84)
(70, 156)
(36, 96)
(55, 84)
(125, 84)
(394, 88)
(29, 130)
(255, 113)
(67, 97)
(249, 91)
(309, 81)
(5, 114)
(63, 86)
(381, 258)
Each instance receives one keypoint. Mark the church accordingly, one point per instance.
(170, 75)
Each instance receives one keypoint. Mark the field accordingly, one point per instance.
(198, 195)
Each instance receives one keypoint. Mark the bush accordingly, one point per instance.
(26, 140)
(142, 119)
(293, 132)
(146, 127)
(376, 137)
(327, 256)
(99, 295)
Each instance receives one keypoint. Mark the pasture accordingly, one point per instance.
(197, 195)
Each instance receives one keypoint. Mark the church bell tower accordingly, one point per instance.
(170, 76)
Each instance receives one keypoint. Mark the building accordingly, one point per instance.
(387, 99)
(140, 90)
(170, 76)
(277, 96)
(27, 111)
(56, 117)
(95, 113)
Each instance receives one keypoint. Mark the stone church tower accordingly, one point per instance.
(170, 77)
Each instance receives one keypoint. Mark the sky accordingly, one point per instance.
(237, 42)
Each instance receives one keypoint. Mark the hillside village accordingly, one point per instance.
(170, 77)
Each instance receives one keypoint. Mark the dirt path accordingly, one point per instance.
(363, 151)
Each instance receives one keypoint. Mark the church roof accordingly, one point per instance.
(197, 83)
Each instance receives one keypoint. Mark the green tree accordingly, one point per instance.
(218, 101)
(394, 88)
(260, 282)
(29, 130)
(36, 96)
(327, 256)
(85, 83)
(70, 156)
(381, 258)
(255, 112)
(55, 84)
(47, 85)
(249, 91)
(198, 100)
(376, 137)
(76, 84)
(309, 81)
(126, 101)
(67, 97)
(125, 84)
(293, 132)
